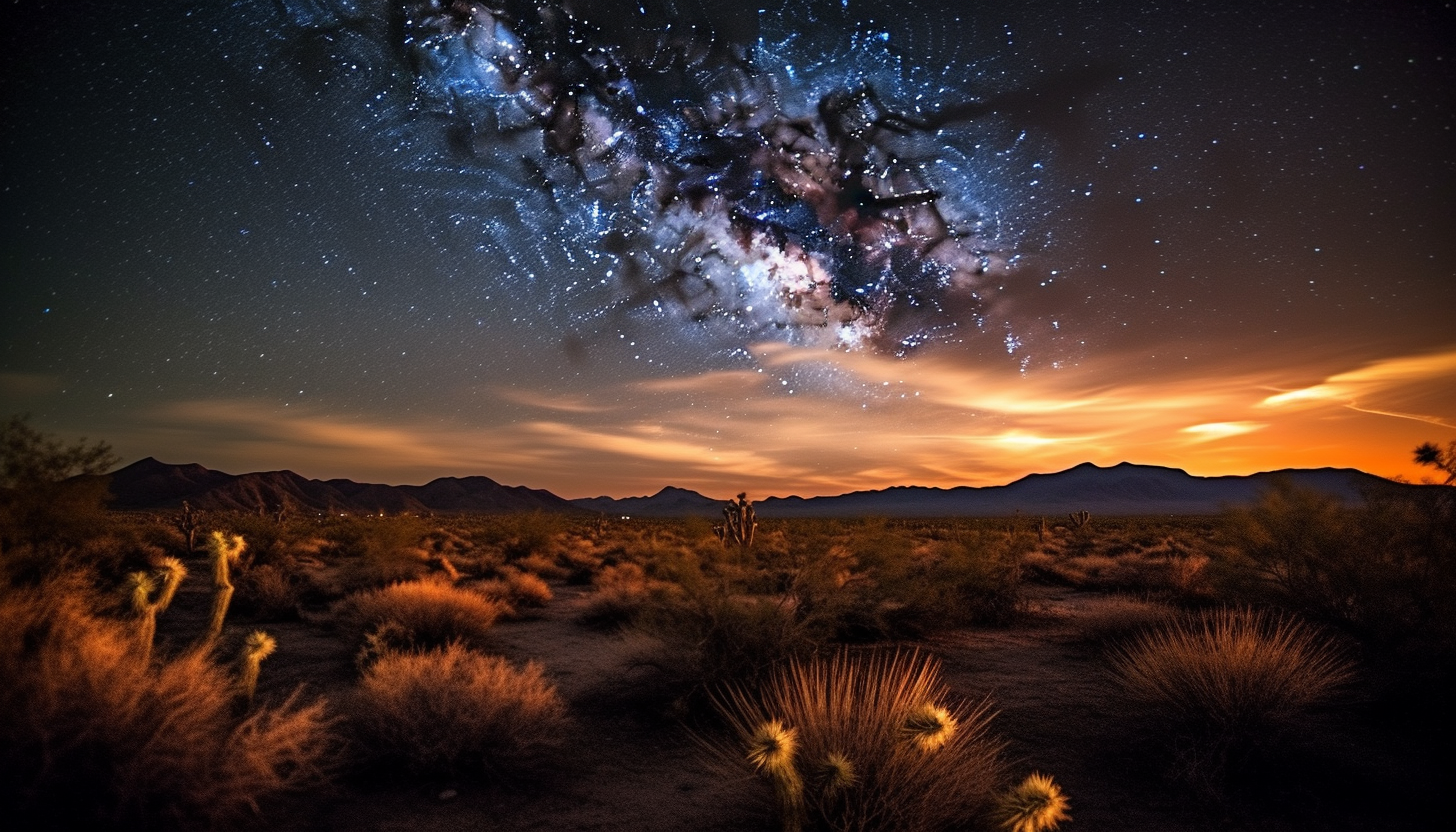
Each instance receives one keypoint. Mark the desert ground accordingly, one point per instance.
(638, 628)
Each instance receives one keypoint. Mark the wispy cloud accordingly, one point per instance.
(853, 422)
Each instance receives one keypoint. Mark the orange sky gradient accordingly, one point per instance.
(919, 422)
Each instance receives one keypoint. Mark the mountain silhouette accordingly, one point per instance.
(1122, 489)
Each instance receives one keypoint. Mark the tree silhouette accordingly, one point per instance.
(1442, 459)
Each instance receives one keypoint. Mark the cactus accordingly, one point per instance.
(771, 749)
(740, 522)
(1041, 531)
(1079, 519)
(256, 648)
(170, 572)
(1036, 805)
(140, 586)
(223, 551)
(187, 523)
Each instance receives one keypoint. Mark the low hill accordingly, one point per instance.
(150, 484)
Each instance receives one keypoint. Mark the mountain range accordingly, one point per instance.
(1123, 489)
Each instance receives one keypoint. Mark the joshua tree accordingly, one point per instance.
(187, 523)
(223, 551)
(740, 521)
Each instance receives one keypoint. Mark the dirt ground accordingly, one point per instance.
(625, 767)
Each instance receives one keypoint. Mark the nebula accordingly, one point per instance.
(758, 183)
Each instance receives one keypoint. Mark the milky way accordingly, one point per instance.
(817, 189)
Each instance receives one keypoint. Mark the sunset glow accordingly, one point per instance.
(860, 254)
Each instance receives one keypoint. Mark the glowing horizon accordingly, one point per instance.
(970, 427)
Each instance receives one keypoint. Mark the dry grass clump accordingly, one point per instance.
(1228, 682)
(269, 593)
(422, 614)
(91, 736)
(865, 742)
(1036, 804)
(519, 590)
(623, 590)
(449, 710)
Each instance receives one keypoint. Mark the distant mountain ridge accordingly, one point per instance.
(150, 484)
(1122, 489)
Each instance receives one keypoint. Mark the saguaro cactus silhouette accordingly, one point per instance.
(223, 551)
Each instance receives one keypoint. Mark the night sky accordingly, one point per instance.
(793, 247)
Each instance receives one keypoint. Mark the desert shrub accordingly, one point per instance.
(421, 614)
(518, 536)
(1227, 683)
(622, 592)
(951, 582)
(522, 593)
(706, 638)
(268, 592)
(1385, 570)
(453, 710)
(93, 737)
(864, 742)
(375, 551)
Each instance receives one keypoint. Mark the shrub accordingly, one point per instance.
(517, 589)
(443, 711)
(623, 591)
(707, 638)
(422, 614)
(269, 593)
(864, 742)
(1226, 682)
(92, 737)
(1384, 571)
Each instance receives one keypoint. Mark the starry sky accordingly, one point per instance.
(790, 246)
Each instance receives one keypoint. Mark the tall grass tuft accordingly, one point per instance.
(1036, 804)
(92, 738)
(876, 744)
(1228, 681)
(451, 710)
(422, 614)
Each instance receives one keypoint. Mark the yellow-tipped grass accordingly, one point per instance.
(878, 740)
(929, 727)
(169, 573)
(770, 748)
(1036, 804)
(1233, 670)
(425, 614)
(451, 710)
(94, 739)
(257, 647)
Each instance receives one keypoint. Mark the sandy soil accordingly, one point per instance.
(627, 768)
